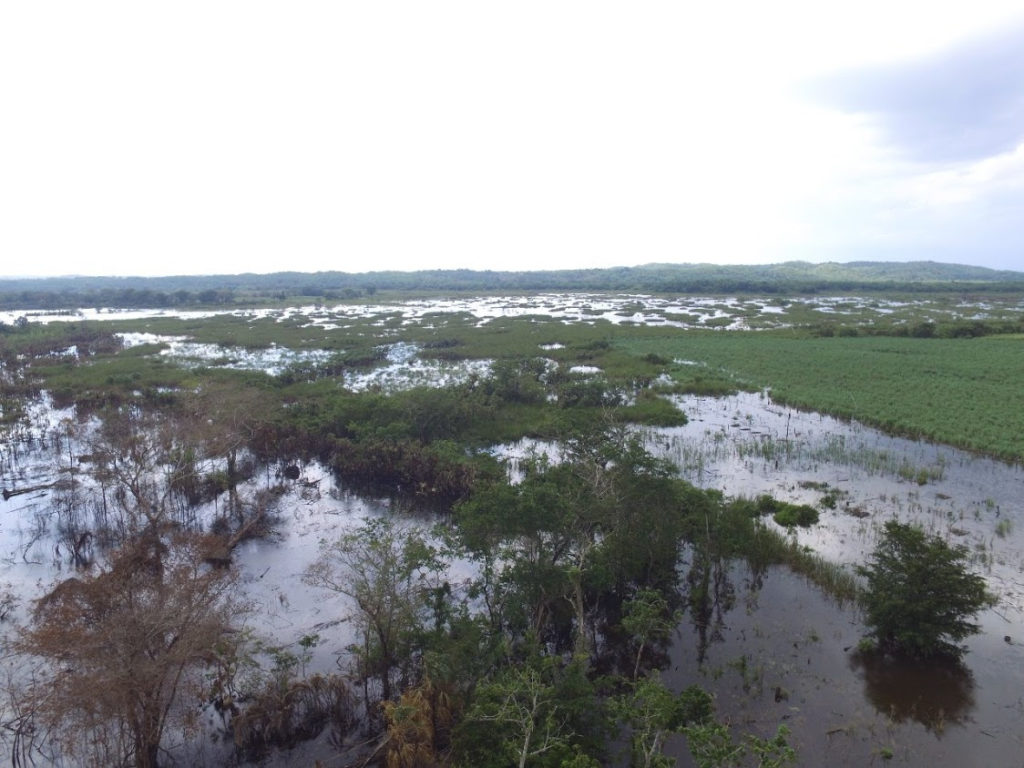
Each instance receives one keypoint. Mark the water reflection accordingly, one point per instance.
(711, 595)
(935, 693)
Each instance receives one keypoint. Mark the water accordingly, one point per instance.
(727, 312)
(786, 655)
(747, 445)
(780, 632)
(783, 652)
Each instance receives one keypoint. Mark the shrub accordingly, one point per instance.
(920, 595)
(789, 515)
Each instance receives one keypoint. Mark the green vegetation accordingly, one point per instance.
(788, 278)
(580, 566)
(790, 515)
(920, 596)
(953, 391)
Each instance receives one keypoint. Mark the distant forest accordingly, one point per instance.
(790, 278)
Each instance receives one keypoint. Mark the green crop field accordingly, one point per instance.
(965, 392)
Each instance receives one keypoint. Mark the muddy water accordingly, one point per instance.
(783, 653)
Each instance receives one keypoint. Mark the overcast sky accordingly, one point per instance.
(142, 138)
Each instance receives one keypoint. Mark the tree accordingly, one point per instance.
(540, 713)
(920, 596)
(386, 569)
(118, 647)
(653, 712)
(711, 745)
(648, 620)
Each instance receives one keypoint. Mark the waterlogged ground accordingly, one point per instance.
(728, 312)
(401, 367)
(780, 652)
(785, 653)
(746, 445)
(282, 610)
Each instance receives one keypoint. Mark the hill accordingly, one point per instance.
(793, 278)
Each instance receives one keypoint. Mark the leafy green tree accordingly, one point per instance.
(648, 619)
(605, 518)
(540, 713)
(711, 746)
(388, 570)
(653, 712)
(920, 596)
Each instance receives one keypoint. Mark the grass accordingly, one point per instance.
(771, 546)
(955, 391)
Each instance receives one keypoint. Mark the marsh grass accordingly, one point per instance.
(953, 391)
(770, 547)
(712, 447)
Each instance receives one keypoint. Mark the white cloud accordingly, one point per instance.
(972, 182)
(230, 136)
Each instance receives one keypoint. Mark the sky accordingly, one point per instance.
(224, 136)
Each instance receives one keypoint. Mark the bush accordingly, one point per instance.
(920, 595)
(789, 515)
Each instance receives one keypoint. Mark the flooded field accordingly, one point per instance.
(770, 646)
(727, 313)
(402, 367)
(782, 650)
(282, 612)
(778, 650)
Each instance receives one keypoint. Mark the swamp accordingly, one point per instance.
(557, 529)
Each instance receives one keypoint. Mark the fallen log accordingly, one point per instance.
(8, 493)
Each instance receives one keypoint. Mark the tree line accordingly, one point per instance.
(792, 278)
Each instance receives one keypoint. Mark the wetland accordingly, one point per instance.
(531, 469)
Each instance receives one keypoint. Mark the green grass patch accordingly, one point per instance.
(792, 515)
(955, 391)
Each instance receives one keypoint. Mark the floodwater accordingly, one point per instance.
(746, 445)
(783, 653)
(282, 609)
(776, 651)
(403, 369)
(728, 312)
(786, 655)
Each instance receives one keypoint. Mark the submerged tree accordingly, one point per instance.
(540, 713)
(387, 570)
(653, 713)
(118, 648)
(920, 596)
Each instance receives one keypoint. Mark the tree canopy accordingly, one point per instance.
(920, 597)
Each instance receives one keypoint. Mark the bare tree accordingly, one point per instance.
(117, 649)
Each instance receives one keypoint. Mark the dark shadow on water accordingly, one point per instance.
(935, 692)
